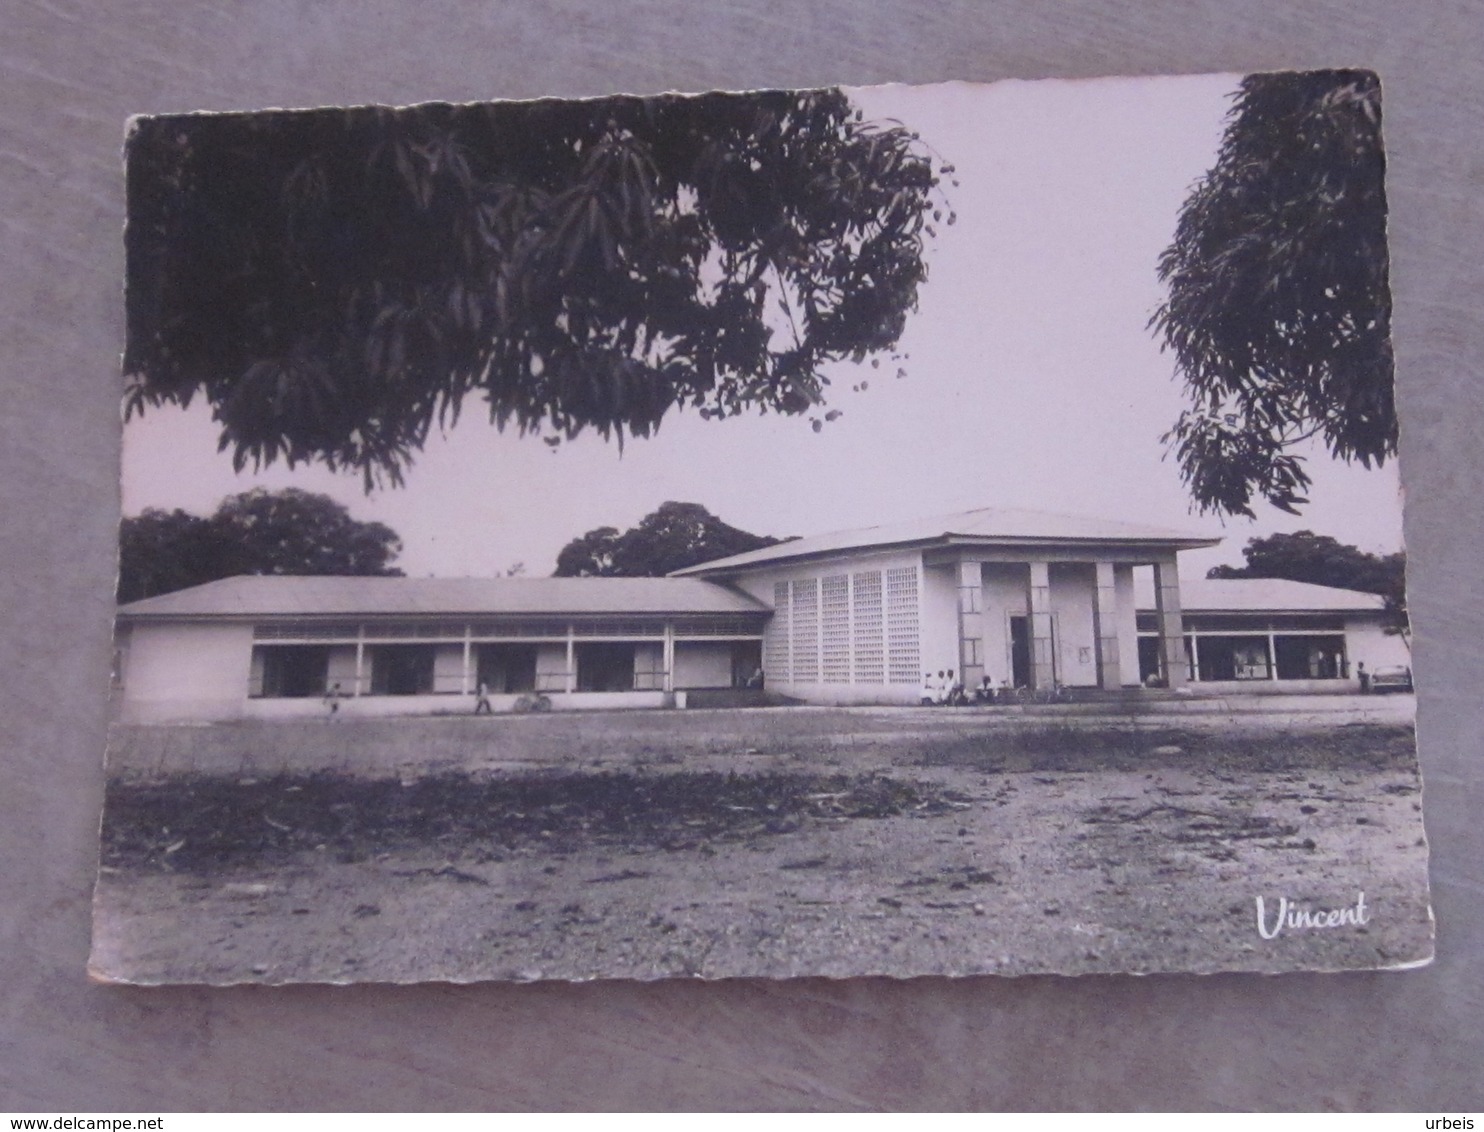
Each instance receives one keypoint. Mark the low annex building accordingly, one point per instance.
(1030, 599)
(1274, 635)
(276, 646)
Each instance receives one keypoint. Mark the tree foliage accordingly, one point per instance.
(1279, 309)
(672, 537)
(334, 283)
(1306, 557)
(255, 532)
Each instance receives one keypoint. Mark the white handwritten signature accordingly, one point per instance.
(1294, 916)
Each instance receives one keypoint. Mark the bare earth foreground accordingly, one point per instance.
(763, 842)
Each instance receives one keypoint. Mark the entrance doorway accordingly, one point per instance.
(1020, 651)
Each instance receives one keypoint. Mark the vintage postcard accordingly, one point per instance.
(941, 530)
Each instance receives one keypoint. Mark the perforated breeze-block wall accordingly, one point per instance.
(845, 635)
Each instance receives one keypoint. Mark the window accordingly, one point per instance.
(516, 627)
(1310, 657)
(1224, 623)
(649, 668)
(1307, 621)
(619, 627)
(414, 630)
(290, 671)
(304, 631)
(717, 627)
(1232, 658)
(506, 669)
(1149, 666)
(747, 662)
(605, 666)
(401, 670)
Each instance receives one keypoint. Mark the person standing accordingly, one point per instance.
(482, 700)
(1364, 677)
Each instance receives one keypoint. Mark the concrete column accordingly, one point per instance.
(970, 624)
(1171, 623)
(466, 686)
(1043, 646)
(1105, 627)
(360, 661)
(668, 660)
(570, 684)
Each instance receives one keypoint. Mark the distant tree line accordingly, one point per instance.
(299, 532)
(672, 537)
(255, 532)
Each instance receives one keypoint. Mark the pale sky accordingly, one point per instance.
(1032, 380)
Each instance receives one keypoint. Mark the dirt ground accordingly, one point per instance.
(760, 843)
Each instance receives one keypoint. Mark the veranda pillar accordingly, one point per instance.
(1043, 644)
(1105, 627)
(1171, 624)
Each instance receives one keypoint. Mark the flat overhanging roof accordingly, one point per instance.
(268, 596)
(988, 527)
(1261, 595)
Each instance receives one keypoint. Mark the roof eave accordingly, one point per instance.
(124, 614)
(724, 567)
(1173, 542)
(1269, 610)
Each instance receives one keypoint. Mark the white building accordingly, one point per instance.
(1274, 635)
(860, 616)
(274, 646)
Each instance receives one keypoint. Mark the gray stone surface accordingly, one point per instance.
(70, 72)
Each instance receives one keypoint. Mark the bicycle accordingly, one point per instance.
(528, 702)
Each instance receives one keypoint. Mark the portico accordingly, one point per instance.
(1028, 599)
(1039, 617)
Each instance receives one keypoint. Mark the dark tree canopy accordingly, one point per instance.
(1279, 309)
(335, 283)
(1306, 557)
(672, 537)
(255, 532)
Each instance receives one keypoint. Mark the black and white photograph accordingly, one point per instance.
(899, 530)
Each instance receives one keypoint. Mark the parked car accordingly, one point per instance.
(1392, 678)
